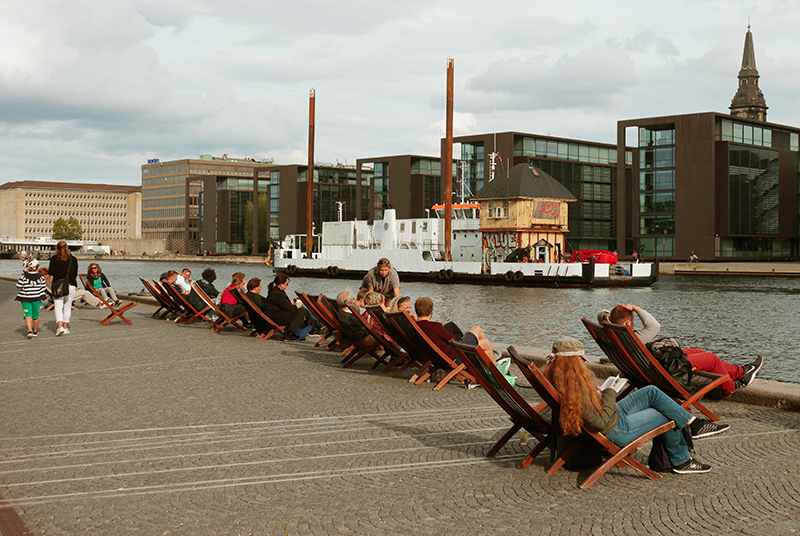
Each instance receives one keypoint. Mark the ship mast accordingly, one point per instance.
(448, 166)
(310, 175)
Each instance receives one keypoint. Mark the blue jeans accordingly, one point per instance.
(648, 408)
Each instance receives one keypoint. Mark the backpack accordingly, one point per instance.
(658, 460)
(669, 353)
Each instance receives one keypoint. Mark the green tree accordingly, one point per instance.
(69, 229)
(263, 230)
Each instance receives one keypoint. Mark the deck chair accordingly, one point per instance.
(616, 456)
(113, 312)
(369, 350)
(165, 306)
(187, 312)
(409, 356)
(223, 319)
(438, 359)
(521, 413)
(313, 304)
(626, 341)
(636, 378)
(267, 327)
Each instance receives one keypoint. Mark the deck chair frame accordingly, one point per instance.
(311, 301)
(522, 415)
(636, 378)
(626, 341)
(617, 456)
(223, 319)
(402, 358)
(164, 303)
(114, 312)
(188, 312)
(269, 326)
(438, 359)
(368, 350)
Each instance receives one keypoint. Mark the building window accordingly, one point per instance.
(753, 191)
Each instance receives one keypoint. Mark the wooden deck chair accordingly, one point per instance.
(223, 319)
(165, 306)
(626, 341)
(438, 359)
(330, 309)
(113, 312)
(616, 456)
(312, 303)
(368, 350)
(627, 368)
(187, 311)
(409, 356)
(521, 413)
(266, 326)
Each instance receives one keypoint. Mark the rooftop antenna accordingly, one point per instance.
(494, 154)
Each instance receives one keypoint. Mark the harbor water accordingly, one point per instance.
(737, 318)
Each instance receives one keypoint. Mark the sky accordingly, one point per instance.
(92, 89)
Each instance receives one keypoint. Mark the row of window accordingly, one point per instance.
(562, 150)
(164, 170)
(756, 135)
(164, 213)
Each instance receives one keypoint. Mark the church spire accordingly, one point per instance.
(748, 101)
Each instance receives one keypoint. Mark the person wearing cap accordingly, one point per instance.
(31, 285)
(382, 278)
(741, 376)
(624, 421)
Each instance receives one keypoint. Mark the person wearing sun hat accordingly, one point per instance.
(621, 422)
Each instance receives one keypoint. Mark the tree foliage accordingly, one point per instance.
(69, 229)
(263, 229)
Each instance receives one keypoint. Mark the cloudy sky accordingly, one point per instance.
(90, 89)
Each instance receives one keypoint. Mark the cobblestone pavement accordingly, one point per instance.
(163, 429)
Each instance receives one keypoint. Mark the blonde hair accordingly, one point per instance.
(373, 298)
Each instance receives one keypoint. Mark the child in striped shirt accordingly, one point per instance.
(31, 287)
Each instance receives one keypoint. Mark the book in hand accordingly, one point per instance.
(614, 382)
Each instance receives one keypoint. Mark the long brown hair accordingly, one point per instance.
(574, 383)
(62, 251)
(237, 278)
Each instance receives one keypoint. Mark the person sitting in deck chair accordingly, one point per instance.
(624, 421)
(441, 337)
(353, 330)
(206, 284)
(741, 376)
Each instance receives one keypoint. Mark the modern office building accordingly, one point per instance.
(105, 212)
(722, 186)
(408, 183)
(587, 169)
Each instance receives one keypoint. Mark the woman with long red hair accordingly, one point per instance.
(621, 422)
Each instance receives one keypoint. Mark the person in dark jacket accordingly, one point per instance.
(280, 309)
(206, 284)
(64, 271)
(97, 280)
(624, 421)
(31, 287)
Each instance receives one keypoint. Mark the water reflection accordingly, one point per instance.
(735, 317)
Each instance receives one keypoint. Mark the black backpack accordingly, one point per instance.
(669, 353)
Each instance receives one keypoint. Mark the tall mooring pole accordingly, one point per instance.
(310, 176)
(448, 167)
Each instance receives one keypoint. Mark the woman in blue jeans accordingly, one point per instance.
(621, 422)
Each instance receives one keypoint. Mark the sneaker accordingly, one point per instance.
(60, 331)
(66, 331)
(469, 384)
(35, 333)
(117, 303)
(691, 466)
(704, 428)
(30, 334)
(101, 306)
(750, 371)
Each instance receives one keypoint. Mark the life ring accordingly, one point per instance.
(441, 274)
(518, 276)
(333, 271)
(448, 274)
(291, 269)
(509, 275)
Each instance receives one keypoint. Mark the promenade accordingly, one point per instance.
(160, 429)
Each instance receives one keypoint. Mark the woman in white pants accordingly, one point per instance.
(64, 271)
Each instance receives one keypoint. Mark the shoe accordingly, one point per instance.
(30, 334)
(691, 466)
(290, 337)
(750, 371)
(117, 303)
(704, 428)
(35, 333)
(66, 331)
(469, 384)
(60, 331)
(101, 306)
